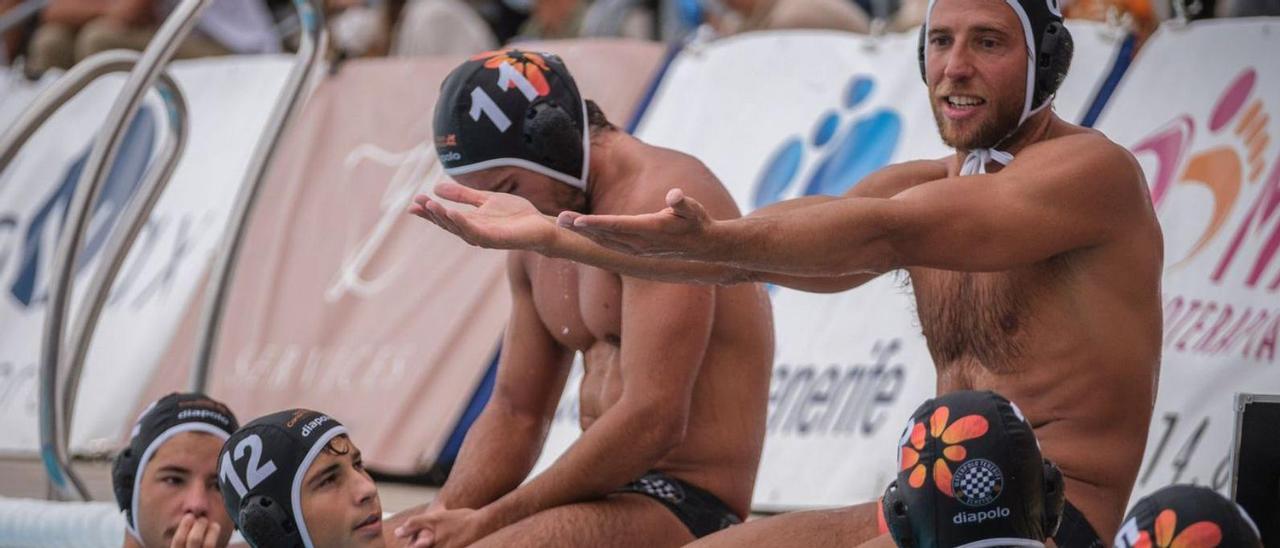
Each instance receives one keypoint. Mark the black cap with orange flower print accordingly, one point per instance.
(513, 108)
(1187, 516)
(971, 474)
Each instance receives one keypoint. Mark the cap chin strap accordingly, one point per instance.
(976, 162)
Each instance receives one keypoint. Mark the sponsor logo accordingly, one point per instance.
(412, 171)
(968, 427)
(33, 249)
(1218, 170)
(1164, 533)
(846, 144)
(533, 66)
(203, 414)
(977, 482)
(450, 156)
(297, 416)
(310, 427)
(966, 518)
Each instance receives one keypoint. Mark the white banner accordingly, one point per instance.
(1200, 109)
(229, 100)
(851, 367)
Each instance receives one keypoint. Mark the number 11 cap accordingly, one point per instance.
(260, 471)
(513, 108)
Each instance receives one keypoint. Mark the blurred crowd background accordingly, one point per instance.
(65, 31)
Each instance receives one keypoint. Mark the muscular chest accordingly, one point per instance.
(578, 304)
(980, 318)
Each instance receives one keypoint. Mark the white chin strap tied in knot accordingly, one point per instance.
(976, 162)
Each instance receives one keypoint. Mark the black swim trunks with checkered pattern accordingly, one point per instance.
(701, 512)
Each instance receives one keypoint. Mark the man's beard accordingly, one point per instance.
(989, 133)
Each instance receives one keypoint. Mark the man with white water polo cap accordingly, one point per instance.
(294, 479)
(166, 480)
(1034, 253)
(675, 389)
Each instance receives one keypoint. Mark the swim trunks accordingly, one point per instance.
(701, 512)
(1074, 531)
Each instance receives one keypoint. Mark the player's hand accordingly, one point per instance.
(681, 230)
(499, 220)
(196, 532)
(444, 529)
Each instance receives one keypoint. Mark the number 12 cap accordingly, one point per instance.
(260, 471)
(513, 108)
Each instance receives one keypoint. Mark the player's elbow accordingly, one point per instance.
(663, 428)
(873, 255)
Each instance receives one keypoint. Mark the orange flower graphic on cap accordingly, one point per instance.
(963, 429)
(1202, 534)
(529, 64)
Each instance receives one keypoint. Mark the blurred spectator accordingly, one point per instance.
(71, 30)
(359, 27)
(554, 20)
(793, 14)
(908, 14)
(1140, 14)
(54, 43)
(621, 19)
(14, 40)
(434, 27)
(1249, 8)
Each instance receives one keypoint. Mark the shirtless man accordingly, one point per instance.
(1039, 281)
(674, 395)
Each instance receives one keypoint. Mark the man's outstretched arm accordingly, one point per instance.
(1069, 194)
(504, 221)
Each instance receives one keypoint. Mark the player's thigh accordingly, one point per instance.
(842, 527)
(620, 520)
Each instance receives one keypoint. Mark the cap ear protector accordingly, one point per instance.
(1055, 497)
(1053, 59)
(123, 469)
(550, 133)
(897, 518)
(268, 523)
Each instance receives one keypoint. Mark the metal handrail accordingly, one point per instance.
(61, 91)
(67, 86)
(162, 47)
(119, 242)
(314, 35)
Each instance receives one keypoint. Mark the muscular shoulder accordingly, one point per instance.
(1087, 161)
(667, 169)
(518, 268)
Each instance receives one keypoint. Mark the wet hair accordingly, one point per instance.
(332, 449)
(596, 120)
